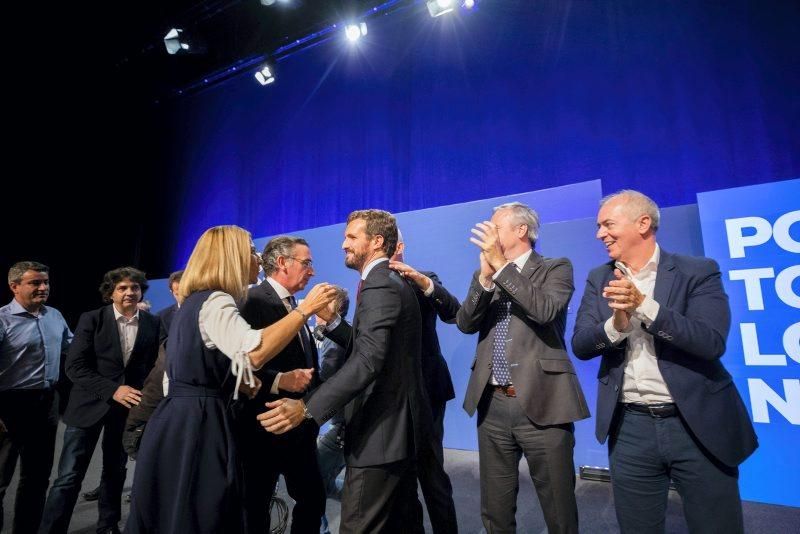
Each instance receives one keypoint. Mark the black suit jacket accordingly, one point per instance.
(541, 371)
(166, 315)
(95, 364)
(690, 332)
(435, 374)
(381, 382)
(263, 308)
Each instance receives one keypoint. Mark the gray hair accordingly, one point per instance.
(18, 270)
(522, 214)
(636, 204)
(277, 247)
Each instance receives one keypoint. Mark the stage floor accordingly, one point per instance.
(594, 503)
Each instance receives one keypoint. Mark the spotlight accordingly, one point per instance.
(265, 75)
(469, 4)
(176, 42)
(354, 32)
(437, 8)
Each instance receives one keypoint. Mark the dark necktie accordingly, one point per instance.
(500, 368)
(305, 339)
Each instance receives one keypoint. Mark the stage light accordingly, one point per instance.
(265, 75)
(469, 4)
(176, 42)
(437, 8)
(354, 32)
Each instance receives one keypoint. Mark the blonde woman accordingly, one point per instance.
(187, 477)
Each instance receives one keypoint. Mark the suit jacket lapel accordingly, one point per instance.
(142, 334)
(532, 265)
(272, 296)
(111, 319)
(665, 277)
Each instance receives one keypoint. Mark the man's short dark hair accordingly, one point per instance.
(18, 270)
(174, 278)
(381, 223)
(115, 276)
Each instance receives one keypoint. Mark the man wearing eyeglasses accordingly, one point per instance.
(288, 266)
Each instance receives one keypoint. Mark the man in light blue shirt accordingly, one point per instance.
(32, 339)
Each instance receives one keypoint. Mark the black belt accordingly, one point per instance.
(658, 411)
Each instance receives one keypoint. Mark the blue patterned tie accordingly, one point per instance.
(500, 368)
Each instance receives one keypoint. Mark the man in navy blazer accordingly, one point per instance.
(665, 401)
(113, 350)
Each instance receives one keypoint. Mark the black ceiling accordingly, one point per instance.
(231, 30)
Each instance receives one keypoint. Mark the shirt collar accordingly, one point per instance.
(650, 266)
(15, 308)
(117, 314)
(522, 259)
(282, 292)
(370, 266)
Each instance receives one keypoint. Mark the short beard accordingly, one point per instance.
(357, 262)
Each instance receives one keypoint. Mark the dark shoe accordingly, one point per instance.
(92, 495)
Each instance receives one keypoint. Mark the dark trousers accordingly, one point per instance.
(436, 487)
(505, 434)
(330, 456)
(644, 453)
(79, 445)
(381, 499)
(28, 423)
(265, 457)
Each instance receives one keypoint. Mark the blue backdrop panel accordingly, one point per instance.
(741, 230)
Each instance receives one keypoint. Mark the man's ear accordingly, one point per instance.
(377, 242)
(644, 224)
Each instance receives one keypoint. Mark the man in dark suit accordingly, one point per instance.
(380, 384)
(288, 266)
(168, 313)
(660, 322)
(522, 383)
(434, 301)
(113, 350)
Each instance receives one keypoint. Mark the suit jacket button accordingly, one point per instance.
(616, 388)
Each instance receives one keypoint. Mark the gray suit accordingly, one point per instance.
(538, 421)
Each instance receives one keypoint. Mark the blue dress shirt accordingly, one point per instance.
(31, 347)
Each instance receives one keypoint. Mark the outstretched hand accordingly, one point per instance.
(283, 416)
